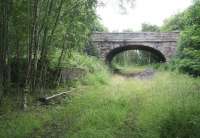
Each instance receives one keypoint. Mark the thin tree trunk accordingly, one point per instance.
(44, 52)
(61, 58)
(32, 10)
(2, 22)
(4, 45)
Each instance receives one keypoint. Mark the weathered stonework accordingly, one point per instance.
(160, 43)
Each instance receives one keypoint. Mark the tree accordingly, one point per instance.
(189, 46)
(174, 23)
(150, 28)
(123, 5)
(129, 30)
(99, 27)
(32, 32)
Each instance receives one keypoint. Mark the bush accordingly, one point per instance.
(96, 70)
(188, 57)
(189, 46)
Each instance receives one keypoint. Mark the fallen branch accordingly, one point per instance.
(46, 100)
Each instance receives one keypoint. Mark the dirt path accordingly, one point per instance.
(148, 73)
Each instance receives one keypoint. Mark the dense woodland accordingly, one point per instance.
(45, 49)
(37, 36)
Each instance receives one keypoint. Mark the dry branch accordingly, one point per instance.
(46, 100)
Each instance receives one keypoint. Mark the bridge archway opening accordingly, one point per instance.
(159, 57)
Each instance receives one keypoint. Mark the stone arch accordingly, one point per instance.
(113, 52)
(163, 44)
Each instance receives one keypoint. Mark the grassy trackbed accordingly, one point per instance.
(167, 106)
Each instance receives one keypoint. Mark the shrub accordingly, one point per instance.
(189, 46)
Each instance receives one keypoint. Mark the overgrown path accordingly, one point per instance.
(166, 106)
(147, 73)
(129, 107)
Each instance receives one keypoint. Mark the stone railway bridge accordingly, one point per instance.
(161, 44)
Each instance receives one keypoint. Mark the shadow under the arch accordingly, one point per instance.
(115, 51)
(146, 73)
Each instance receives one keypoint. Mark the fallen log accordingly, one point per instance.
(46, 100)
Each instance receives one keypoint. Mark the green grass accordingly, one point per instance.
(132, 69)
(22, 124)
(167, 106)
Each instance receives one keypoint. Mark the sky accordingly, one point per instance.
(143, 11)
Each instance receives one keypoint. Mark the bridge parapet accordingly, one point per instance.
(140, 36)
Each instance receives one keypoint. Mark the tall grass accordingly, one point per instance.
(167, 106)
(15, 123)
(93, 72)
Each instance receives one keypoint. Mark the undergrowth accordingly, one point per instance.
(166, 106)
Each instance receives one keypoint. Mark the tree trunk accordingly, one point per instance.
(32, 34)
(4, 19)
